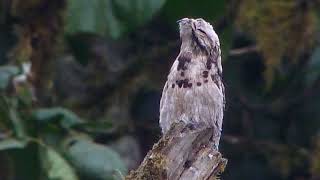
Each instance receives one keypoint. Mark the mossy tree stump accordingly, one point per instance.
(182, 153)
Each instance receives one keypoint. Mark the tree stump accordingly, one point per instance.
(183, 153)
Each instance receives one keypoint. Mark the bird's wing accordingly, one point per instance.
(163, 94)
(166, 86)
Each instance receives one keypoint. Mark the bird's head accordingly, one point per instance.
(197, 28)
(185, 26)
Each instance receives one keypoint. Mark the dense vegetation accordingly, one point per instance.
(88, 106)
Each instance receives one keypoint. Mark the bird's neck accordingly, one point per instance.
(186, 45)
(189, 46)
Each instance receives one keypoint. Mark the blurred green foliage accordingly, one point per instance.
(108, 60)
(109, 17)
(56, 166)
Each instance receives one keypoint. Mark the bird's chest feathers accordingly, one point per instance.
(191, 71)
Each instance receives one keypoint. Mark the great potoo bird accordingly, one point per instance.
(194, 92)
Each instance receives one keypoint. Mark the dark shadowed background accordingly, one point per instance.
(81, 81)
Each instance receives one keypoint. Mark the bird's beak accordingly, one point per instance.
(183, 19)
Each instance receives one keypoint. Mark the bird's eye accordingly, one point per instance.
(199, 20)
(201, 31)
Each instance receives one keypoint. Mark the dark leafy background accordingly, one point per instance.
(88, 108)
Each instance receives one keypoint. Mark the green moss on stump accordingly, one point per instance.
(153, 168)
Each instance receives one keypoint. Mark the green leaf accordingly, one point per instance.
(10, 116)
(94, 160)
(95, 127)
(66, 118)
(12, 143)
(136, 11)
(81, 16)
(109, 17)
(17, 123)
(6, 73)
(55, 166)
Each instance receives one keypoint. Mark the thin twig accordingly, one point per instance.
(244, 50)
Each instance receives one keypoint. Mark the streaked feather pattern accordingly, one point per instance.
(194, 92)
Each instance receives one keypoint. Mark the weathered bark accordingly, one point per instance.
(182, 153)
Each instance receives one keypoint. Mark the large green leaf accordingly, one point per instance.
(17, 123)
(109, 17)
(55, 166)
(94, 160)
(12, 143)
(82, 16)
(10, 116)
(136, 11)
(95, 127)
(66, 118)
(6, 73)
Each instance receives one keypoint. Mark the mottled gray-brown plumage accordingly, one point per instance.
(194, 92)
